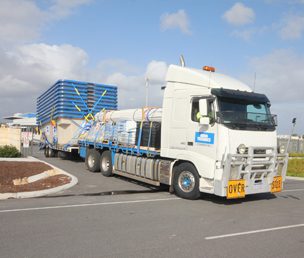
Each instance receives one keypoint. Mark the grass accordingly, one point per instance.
(295, 167)
(294, 154)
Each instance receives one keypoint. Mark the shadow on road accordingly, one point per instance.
(248, 198)
(120, 192)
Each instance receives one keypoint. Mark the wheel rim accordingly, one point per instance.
(91, 161)
(186, 181)
(105, 164)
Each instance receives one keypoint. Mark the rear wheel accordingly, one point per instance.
(106, 163)
(186, 181)
(93, 160)
(46, 152)
(51, 152)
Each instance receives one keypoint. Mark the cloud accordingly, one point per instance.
(63, 8)
(239, 15)
(292, 27)
(244, 34)
(132, 90)
(279, 72)
(178, 20)
(280, 76)
(156, 71)
(22, 21)
(248, 33)
(28, 70)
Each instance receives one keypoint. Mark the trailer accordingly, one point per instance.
(213, 135)
(66, 110)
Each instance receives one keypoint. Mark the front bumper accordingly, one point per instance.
(257, 167)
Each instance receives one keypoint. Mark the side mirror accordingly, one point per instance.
(203, 107)
(204, 119)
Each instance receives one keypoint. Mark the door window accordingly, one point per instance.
(195, 110)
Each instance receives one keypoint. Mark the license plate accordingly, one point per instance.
(276, 185)
(236, 189)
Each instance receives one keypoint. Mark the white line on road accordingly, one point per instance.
(88, 205)
(254, 231)
(293, 190)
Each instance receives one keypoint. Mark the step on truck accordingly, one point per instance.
(213, 134)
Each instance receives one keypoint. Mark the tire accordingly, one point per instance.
(186, 181)
(86, 158)
(93, 160)
(51, 153)
(46, 152)
(106, 167)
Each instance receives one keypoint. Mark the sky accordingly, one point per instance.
(123, 42)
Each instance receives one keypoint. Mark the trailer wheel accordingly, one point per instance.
(186, 181)
(46, 152)
(93, 160)
(51, 152)
(106, 163)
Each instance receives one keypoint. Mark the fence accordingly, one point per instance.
(27, 142)
(296, 144)
(22, 139)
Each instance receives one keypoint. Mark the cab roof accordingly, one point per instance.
(203, 78)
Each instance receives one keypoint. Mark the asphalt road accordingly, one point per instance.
(137, 221)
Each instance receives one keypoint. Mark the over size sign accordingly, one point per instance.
(236, 189)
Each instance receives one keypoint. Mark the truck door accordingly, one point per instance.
(178, 132)
(202, 139)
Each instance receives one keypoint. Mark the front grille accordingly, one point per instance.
(259, 151)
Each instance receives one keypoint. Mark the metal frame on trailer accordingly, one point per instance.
(114, 147)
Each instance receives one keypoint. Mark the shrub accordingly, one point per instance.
(9, 151)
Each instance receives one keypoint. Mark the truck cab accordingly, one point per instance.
(220, 134)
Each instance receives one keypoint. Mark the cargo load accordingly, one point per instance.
(132, 127)
(65, 110)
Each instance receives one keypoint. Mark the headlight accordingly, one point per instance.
(241, 149)
(281, 149)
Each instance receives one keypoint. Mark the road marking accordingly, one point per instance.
(254, 231)
(293, 190)
(87, 205)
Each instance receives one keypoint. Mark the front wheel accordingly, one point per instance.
(106, 163)
(186, 181)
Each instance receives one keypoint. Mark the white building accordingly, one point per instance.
(23, 120)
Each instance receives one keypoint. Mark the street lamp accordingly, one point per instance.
(294, 120)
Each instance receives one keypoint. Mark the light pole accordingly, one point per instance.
(147, 91)
(294, 120)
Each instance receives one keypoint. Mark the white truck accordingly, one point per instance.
(217, 136)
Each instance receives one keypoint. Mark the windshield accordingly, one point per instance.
(245, 114)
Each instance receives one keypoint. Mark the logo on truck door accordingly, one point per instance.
(204, 138)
